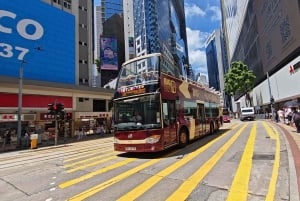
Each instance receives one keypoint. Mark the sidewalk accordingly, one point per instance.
(292, 132)
(293, 149)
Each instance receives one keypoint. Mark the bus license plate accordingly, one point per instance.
(130, 148)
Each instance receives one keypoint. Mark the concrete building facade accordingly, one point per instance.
(265, 36)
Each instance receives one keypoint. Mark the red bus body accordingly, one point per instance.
(175, 111)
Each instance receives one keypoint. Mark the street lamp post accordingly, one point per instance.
(20, 103)
(20, 94)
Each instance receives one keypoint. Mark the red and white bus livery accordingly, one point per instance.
(155, 108)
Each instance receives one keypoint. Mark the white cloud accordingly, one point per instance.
(216, 13)
(192, 10)
(196, 47)
(197, 59)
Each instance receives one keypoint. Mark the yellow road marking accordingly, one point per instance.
(273, 180)
(145, 186)
(239, 187)
(91, 164)
(85, 154)
(92, 174)
(190, 184)
(112, 181)
(269, 131)
(89, 159)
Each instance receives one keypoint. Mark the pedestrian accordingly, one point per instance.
(100, 130)
(76, 133)
(84, 132)
(26, 139)
(80, 133)
(296, 119)
(276, 116)
(8, 137)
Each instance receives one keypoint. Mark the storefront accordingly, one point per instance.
(89, 121)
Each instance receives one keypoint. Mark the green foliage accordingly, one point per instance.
(239, 79)
(97, 62)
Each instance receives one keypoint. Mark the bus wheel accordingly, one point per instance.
(211, 128)
(217, 125)
(183, 138)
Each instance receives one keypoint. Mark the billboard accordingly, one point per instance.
(108, 53)
(39, 37)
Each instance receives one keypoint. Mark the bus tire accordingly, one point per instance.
(183, 138)
(217, 125)
(211, 128)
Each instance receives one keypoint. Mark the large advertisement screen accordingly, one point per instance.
(108, 53)
(38, 37)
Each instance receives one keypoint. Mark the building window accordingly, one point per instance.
(82, 43)
(82, 61)
(67, 4)
(83, 25)
(57, 1)
(82, 8)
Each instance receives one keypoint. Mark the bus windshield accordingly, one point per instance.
(137, 113)
(144, 71)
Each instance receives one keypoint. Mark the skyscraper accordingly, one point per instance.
(159, 26)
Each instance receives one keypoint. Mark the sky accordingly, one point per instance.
(202, 18)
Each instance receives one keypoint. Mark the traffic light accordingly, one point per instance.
(272, 100)
(56, 109)
(51, 108)
(60, 108)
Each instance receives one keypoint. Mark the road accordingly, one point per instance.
(243, 161)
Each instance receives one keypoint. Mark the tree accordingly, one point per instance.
(98, 64)
(239, 80)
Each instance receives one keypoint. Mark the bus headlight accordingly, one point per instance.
(153, 139)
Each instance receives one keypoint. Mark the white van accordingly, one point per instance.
(247, 113)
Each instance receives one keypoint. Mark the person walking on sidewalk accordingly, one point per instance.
(296, 119)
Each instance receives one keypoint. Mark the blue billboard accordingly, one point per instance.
(39, 37)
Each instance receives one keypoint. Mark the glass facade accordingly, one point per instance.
(111, 7)
(212, 65)
(160, 27)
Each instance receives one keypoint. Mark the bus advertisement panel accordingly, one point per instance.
(164, 111)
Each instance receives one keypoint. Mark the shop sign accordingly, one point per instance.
(93, 114)
(46, 116)
(8, 117)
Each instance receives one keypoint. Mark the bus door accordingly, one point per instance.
(169, 121)
(201, 119)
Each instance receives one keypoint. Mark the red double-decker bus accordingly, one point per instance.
(155, 108)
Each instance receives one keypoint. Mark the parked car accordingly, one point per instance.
(247, 113)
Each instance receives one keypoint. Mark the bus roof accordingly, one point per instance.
(141, 57)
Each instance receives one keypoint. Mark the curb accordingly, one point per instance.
(294, 165)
